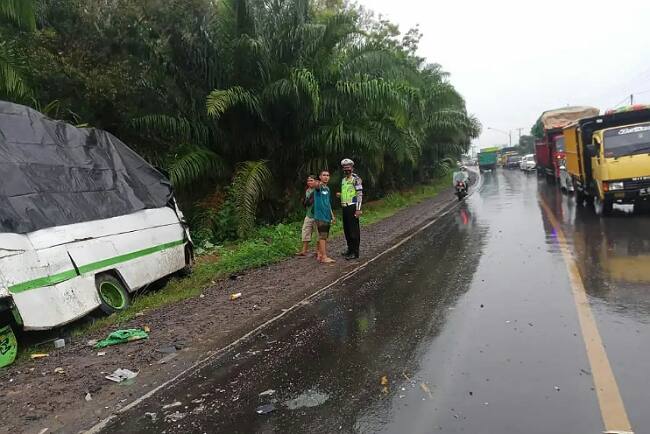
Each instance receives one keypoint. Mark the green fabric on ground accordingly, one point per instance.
(122, 336)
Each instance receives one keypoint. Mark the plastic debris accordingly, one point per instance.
(59, 343)
(172, 405)
(120, 375)
(38, 356)
(152, 416)
(8, 346)
(267, 392)
(147, 329)
(59, 371)
(235, 296)
(122, 336)
(557, 388)
(265, 409)
(101, 353)
(88, 397)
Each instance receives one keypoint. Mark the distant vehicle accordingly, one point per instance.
(513, 161)
(487, 159)
(527, 163)
(92, 224)
(551, 123)
(608, 158)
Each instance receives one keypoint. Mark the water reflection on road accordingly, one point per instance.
(470, 327)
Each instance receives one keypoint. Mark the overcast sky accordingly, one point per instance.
(513, 59)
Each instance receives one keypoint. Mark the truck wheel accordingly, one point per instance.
(112, 294)
(603, 207)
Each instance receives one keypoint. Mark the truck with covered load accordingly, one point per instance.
(487, 158)
(548, 129)
(608, 158)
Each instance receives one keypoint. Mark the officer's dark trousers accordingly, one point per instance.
(351, 229)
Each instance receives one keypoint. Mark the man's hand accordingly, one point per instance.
(333, 220)
(358, 213)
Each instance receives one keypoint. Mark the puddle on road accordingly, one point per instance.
(310, 398)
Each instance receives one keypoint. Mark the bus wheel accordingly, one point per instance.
(114, 297)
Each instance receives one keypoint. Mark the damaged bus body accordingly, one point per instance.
(84, 221)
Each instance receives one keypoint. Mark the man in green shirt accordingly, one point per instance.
(351, 196)
(309, 224)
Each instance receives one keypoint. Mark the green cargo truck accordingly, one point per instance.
(487, 159)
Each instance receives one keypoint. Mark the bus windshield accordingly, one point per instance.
(627, 141)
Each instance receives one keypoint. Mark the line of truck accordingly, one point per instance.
(604, 158)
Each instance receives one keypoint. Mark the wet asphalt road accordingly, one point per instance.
(470, 327)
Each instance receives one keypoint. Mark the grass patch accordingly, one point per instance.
(270, 244)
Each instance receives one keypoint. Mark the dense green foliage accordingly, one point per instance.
(239, 99)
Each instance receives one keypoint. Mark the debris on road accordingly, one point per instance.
(121, 337)
(59, 370)
(426, 390)
(101, 353)
(59, 343)
(310, 398)
(175, 417)
(172, 405)
(265, 409)
(167, 358)
(267, 392)
(557, 388)
(88, 397)
(235, 296)
(39, 356)
(120, 375)
(152, 416)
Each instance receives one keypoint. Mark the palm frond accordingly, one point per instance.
(12, 82)
(19, 13)
(192, 163)
(249, 187)
(220, 101)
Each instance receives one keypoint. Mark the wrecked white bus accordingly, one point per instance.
(84, 221)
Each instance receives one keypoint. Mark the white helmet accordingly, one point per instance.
(347, 162)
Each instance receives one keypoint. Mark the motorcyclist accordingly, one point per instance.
(461, 176)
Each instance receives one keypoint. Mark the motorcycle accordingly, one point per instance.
(461, 190)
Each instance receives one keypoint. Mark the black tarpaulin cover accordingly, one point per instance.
(53, 174)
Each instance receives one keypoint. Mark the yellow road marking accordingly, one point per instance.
(609, 397)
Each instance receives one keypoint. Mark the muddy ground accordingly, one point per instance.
(35, 396)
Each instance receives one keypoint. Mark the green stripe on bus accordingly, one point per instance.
(67, 275)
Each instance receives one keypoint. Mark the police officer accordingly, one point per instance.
(351, 196)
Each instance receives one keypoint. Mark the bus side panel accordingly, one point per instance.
(571, 152)
(141, 257)
(147, 269)
(55, 305)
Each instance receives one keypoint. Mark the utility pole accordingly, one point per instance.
(631, 99)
